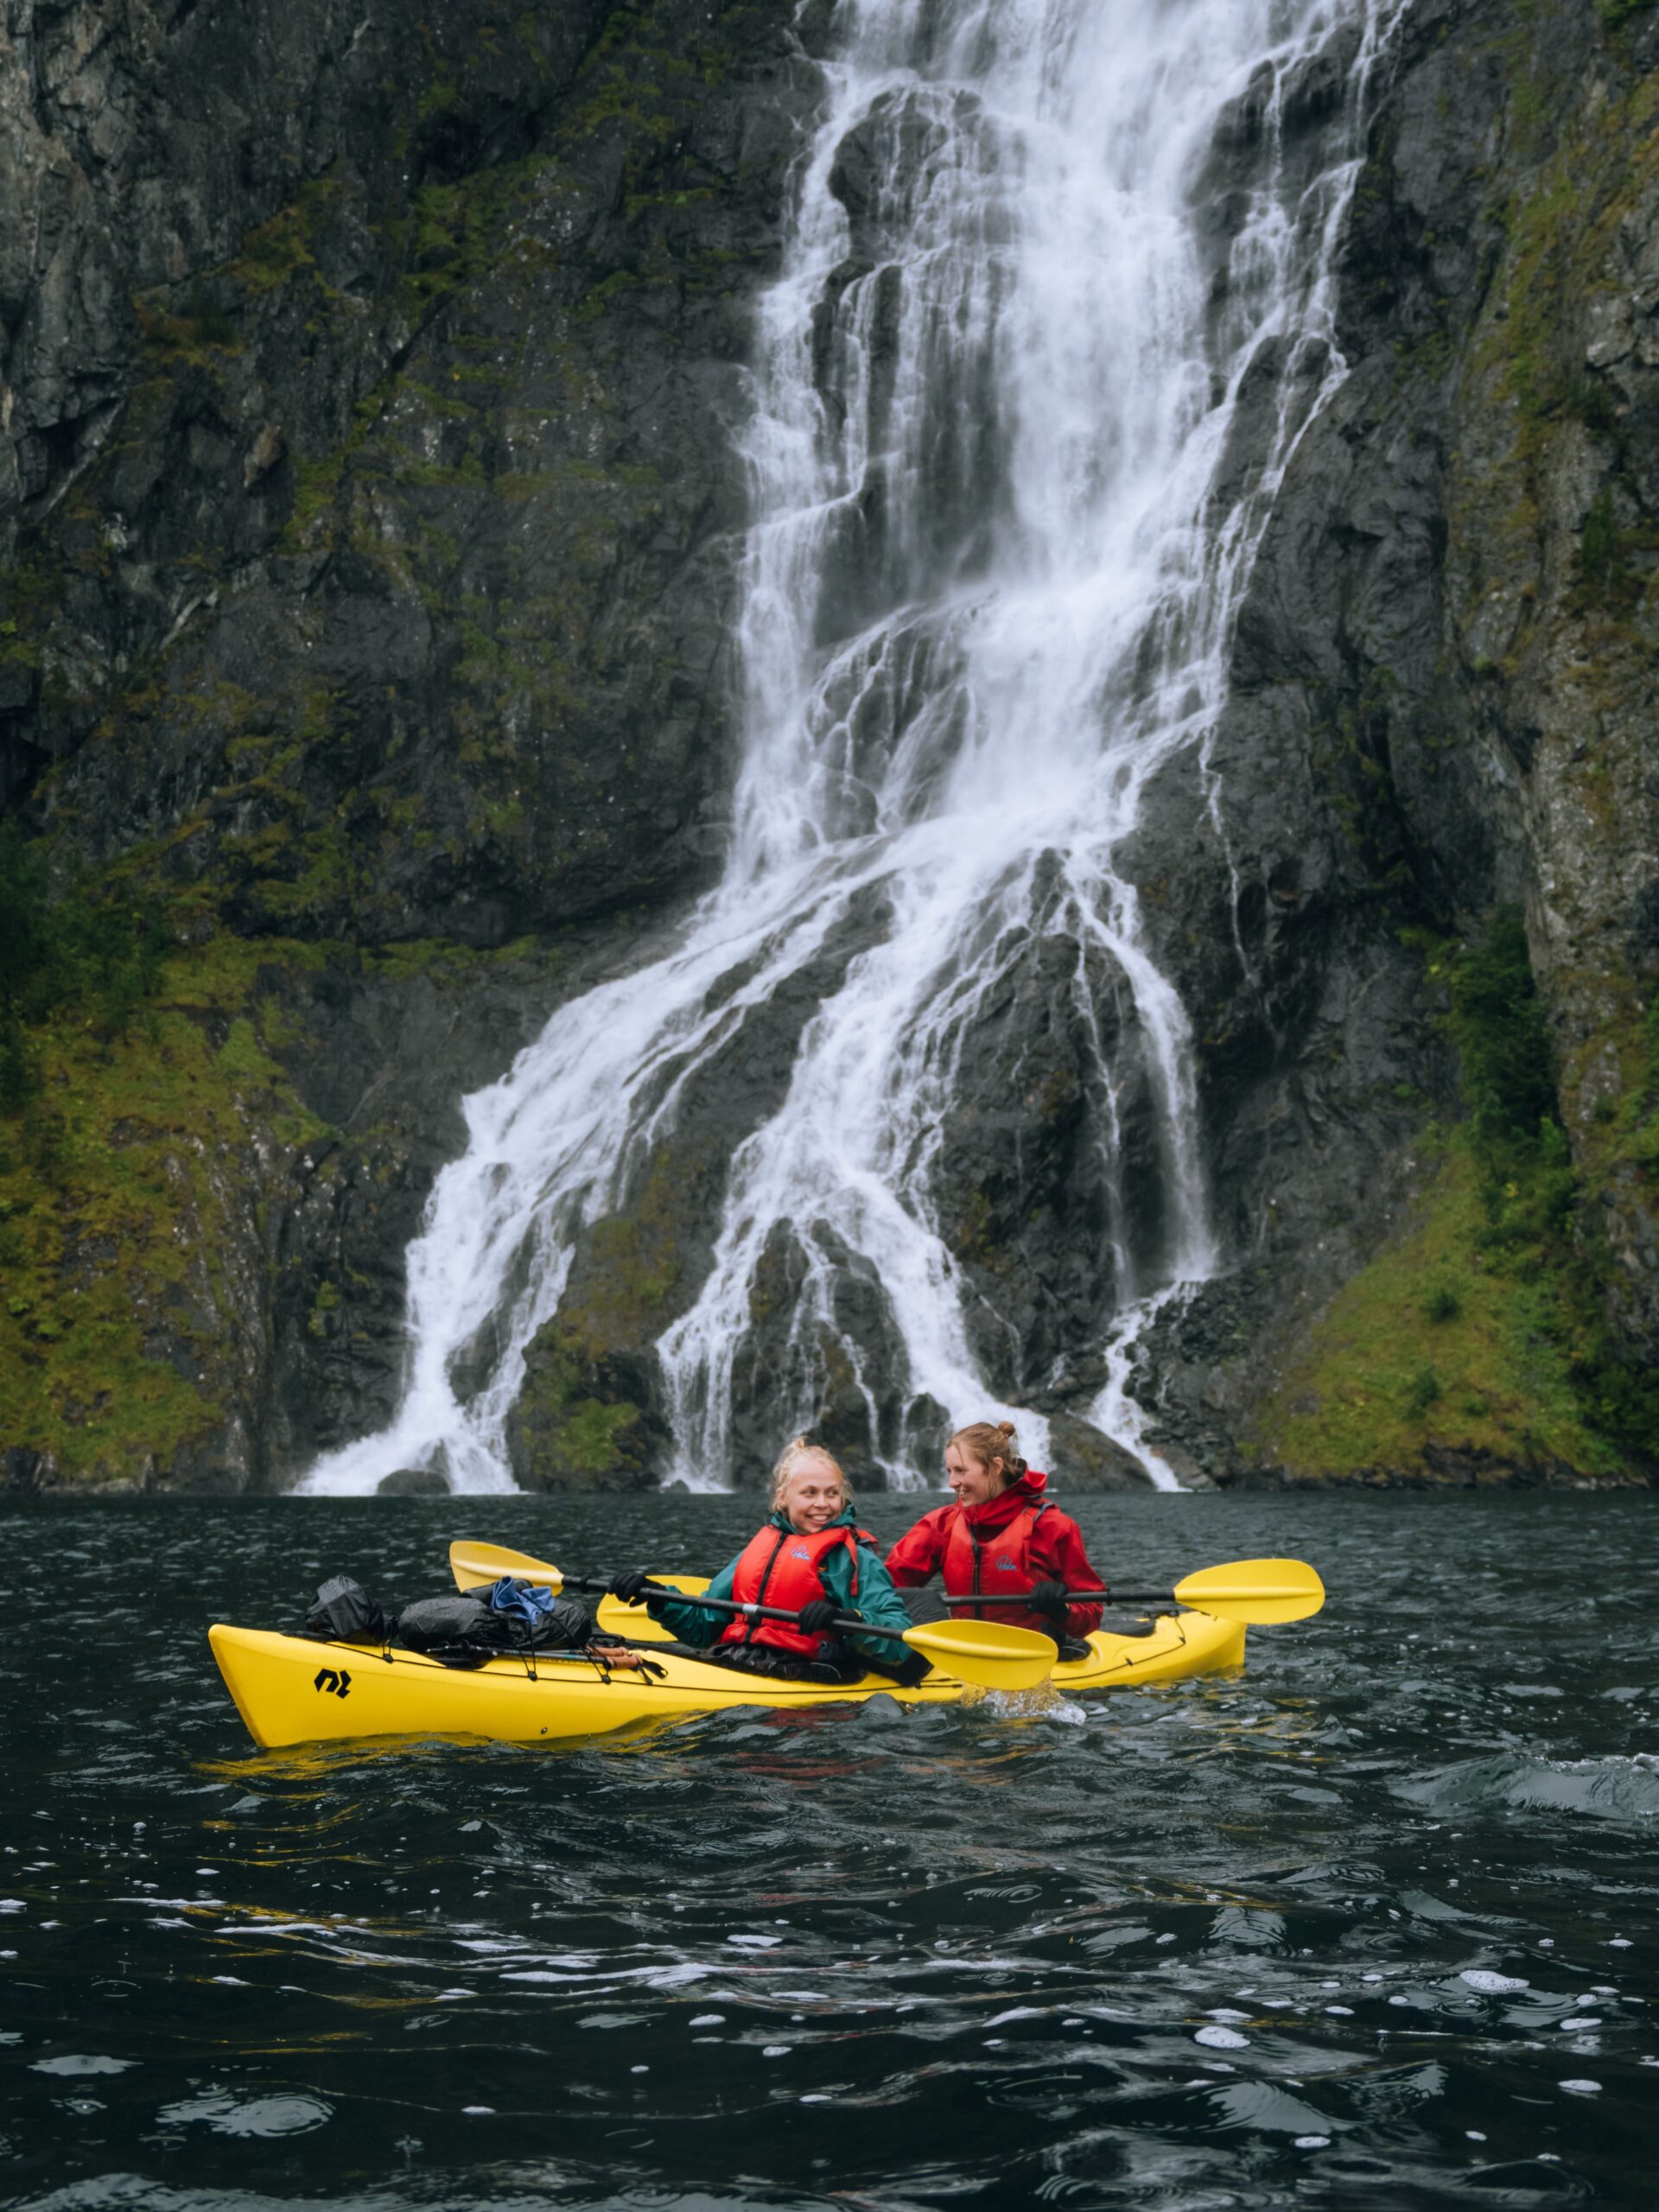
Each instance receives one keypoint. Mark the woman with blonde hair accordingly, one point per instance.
(1003, 1540)
(811, 1558)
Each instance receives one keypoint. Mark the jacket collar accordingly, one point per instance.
(1007, 1504)
(845, 1519)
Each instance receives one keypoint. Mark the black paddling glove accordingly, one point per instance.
(632, 1586)
(1049, 1599)
(820, 1616)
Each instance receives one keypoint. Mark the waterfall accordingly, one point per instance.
(1042, 257)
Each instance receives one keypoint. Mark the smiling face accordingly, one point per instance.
(813, 1494)
(973, 1482)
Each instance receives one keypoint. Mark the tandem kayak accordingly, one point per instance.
(297, 1689)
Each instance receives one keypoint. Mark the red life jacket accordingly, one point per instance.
(779, 1568)
(1000, 1560)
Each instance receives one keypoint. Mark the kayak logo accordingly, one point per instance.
(328, 1680)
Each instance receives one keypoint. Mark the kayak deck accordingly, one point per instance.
(295, 1690)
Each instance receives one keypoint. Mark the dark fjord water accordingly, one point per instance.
(1371, 1924)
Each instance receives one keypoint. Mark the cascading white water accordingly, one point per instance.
(990, 585)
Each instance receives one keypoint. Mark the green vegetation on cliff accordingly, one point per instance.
(148, 1129)
(1479, 1337)
(136, 1075)
(96, 960)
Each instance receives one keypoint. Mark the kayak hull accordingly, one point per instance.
(295, 1689)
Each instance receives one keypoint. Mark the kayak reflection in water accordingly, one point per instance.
(811, 1558)
(1002, 1536)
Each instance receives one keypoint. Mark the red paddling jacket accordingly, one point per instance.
(1014, 1541)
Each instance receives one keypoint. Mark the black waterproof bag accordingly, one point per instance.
(458, 1631)
(343, 1612)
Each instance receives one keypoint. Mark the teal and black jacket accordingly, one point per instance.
(877, 1600)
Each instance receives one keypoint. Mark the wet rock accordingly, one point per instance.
(828, 1342)
(1442, 1467)
(1087, 1459)
(639, 1269)
(412, 1482)
(588, 1415)
(1051, 1195)
(24, 1471)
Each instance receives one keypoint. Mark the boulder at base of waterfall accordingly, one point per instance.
(1180, 1462)
(1085, 1458)
(412, 1482)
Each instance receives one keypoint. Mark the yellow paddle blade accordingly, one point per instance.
(472, 1564)
(1266, 1592)
(475, 1566)
(989, 1653)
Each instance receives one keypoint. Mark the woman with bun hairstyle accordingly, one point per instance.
(810, 1557)
(1001, 1535)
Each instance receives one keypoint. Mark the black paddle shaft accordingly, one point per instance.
(1072, 1597)
(842, 1621)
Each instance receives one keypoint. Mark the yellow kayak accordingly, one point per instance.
(295, 1690)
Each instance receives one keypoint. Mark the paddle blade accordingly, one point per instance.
(1265, 1592)
(474, 1565)
(988, 1653)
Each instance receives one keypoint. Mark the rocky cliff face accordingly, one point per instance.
(365, 561)
(367, 523)
(1444, 714)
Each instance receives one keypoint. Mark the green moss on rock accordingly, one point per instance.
(588, 1415)
(1479, 1336)
(121, 1186)
(567, 1432)
(1504, 1366)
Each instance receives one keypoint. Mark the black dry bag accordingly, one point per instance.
(460, 1632)
(532, 1619)
(343, 1611)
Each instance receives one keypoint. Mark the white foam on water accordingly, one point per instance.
(1066, 1712)
(998, 545)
